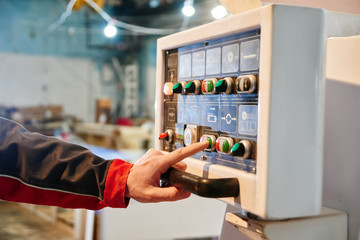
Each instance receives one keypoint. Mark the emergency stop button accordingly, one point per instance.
(224, 144)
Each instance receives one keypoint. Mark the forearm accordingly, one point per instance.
(45, 170)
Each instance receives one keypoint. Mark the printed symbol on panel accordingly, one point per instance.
(171, 114)
(211, 118)
(230, 57)
(194, 114)
(244, 115)
(228, 118)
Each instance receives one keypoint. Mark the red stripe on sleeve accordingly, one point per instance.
(12, 189)
(115, 186)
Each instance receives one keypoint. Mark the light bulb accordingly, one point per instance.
(110, 30)
(218, 12)
(188, 10)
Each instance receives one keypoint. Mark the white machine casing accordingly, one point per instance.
(291, 93)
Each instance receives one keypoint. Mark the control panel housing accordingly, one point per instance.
(253, 86)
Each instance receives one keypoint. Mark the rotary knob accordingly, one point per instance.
(246, 84)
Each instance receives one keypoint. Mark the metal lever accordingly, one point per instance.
(204, 187)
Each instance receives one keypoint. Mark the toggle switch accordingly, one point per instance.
(211, 139)
(246, 84)
(208, 86)
(193, 87)
(179, 88)
(241, 149)
(168, 136)
(224, 144)
(225, 85)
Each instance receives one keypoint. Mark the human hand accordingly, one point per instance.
(143, 182)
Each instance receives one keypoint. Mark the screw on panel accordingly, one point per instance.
(253, 170)
(203, 158)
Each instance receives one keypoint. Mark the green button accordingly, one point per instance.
(220, 86)
(219, 83)
(210, 142)
(210, 86)
(190, 87)
(238, 149)
(177, 88)
(225, 146)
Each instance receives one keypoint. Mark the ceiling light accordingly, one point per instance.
(110, 30)
(218, 12)
(188, 9)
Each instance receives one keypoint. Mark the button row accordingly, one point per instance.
(227, 145)
(222, 144)
(227, 85)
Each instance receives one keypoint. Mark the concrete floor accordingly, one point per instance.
(18, 223)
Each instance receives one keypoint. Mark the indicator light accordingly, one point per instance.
(168, 86)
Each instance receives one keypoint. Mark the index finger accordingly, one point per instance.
(184, 152)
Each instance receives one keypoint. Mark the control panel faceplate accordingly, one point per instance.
(210, 93)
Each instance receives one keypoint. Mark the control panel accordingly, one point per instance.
(210, 94)
(253, 86)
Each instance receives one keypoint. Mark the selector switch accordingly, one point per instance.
(246, 84)
(168, 136)
(193, 87)
(208, 86)
(179, 88)
(241, 149)
(224, 144)
(189, 136)
(211, 139)
(225, 85)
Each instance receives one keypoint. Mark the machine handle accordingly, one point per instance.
(204, 187)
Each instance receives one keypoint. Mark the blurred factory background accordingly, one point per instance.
(62, 74)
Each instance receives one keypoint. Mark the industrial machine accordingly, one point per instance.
(253, 85)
